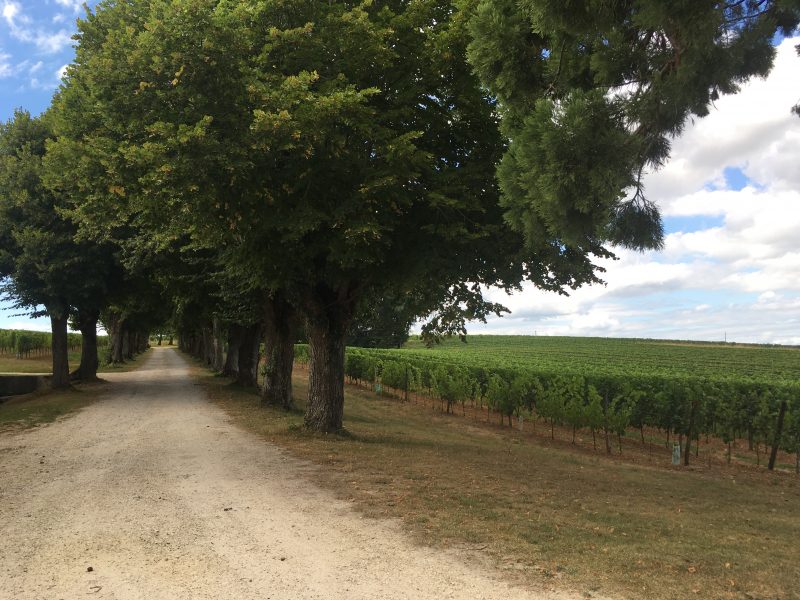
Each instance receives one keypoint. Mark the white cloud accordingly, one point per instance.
(12, 13)
(22, 28)
(75, 5)
(753, 129)
(6, 70)
(739, 278)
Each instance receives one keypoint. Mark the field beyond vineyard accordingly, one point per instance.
(609, 356)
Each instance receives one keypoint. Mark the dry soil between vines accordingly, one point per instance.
(151, 493)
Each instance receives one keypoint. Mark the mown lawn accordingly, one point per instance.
(548, 516)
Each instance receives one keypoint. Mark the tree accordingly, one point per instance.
(361, 178)
(382, 322)
(332, 146)
(591, 94)
(42, 261)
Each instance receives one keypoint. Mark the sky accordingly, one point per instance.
(730, 196)
(730, 269)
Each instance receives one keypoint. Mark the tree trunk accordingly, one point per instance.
(279, 329)
(218, 360)
(329, 312)
(247, 366)
(60, 350)
(231, 368)
(87, 322)
(325, 409)
(207, 347)
(776, 442)
(127, 351)
(117, 325)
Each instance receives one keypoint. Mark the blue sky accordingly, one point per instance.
(35, 44)
(730, 197)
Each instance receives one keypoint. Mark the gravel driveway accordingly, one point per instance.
(151, 493)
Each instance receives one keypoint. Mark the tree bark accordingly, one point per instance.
(247, 365)
(208, 346)
(87, 322)
(218, 362)
(231, 368)
(279, 329)
(127, 352)
(60, 350)
(329, 313)
(117, 325)
(776, 442)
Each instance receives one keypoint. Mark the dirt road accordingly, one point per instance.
(151, 494)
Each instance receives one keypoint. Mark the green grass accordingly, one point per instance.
(128, 365)
(34, 364)
(44, 364)
(43, 407)
(546, 515)
(46, 406)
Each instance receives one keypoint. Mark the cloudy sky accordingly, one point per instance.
(730, 196)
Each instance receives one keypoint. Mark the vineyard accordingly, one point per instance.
(15, 343)
(606, 387)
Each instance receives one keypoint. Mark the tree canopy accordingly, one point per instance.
(270, 163)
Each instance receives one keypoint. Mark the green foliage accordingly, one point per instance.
(41, 260)
(591, 94)
(594, 413)
(21, 343)
(646, 382)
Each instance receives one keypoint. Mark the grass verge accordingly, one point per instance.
(30, 410)
(128, 365)
(547, 516)
(44, 364)
(27, 411)
(34, 364)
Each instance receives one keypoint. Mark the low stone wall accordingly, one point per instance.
(16, 384)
